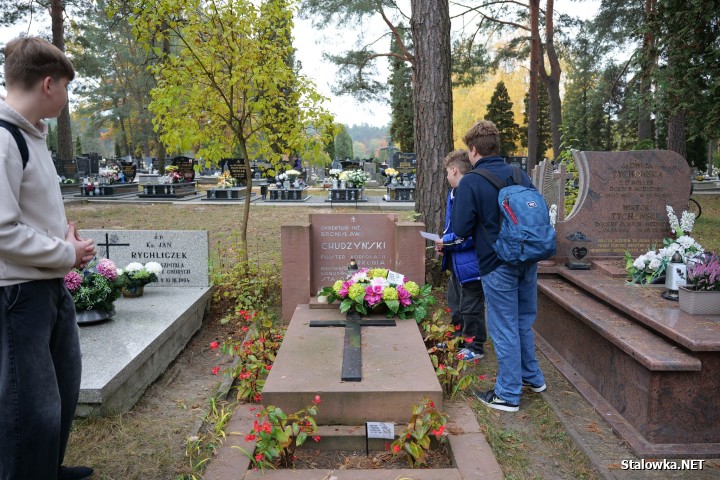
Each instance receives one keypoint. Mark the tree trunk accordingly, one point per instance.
(246, 204)
(432, 92)
(552, 81)
(676, 134)
(64, 128)
(647, 63)
(533, 96)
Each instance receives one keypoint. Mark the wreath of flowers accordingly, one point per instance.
(369, 289)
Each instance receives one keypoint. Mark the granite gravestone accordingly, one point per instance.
(236, 167)
(336, 239)
(404, 162)
(129, 169)
(185, 166)
(183, 254)
(316, 254)
(622, 198)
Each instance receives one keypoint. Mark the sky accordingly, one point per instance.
(311, 44)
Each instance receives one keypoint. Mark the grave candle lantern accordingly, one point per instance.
(578, 253)
(675, 275)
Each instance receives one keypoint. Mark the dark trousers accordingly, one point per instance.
(39, 378)
(467, 310)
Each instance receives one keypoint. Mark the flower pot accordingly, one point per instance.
(133, 292)
(87, 317)
(699, 302)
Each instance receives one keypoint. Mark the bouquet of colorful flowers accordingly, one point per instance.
(651, 265)
(226, 180)
(96, 287)
(138, 275)
(110, 174)
(172, 174)
(369, 289)
(391, 172)
(357, 177)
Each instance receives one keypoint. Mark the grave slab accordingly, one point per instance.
(309, 363)
(645, 365)
(123, 356)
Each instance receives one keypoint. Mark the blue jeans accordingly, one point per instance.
(39, 378)
(511, 302)
(467, 309)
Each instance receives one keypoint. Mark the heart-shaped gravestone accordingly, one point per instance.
(579, 252)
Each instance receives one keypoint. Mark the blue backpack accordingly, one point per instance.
(526, 234)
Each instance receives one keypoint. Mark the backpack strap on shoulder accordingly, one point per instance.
(19, 139)
(517, 175)
(489, 176)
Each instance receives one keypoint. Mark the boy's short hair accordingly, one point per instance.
(31, 59)
(485, 137)
(459, 159)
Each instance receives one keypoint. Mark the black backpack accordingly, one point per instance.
(19, 139)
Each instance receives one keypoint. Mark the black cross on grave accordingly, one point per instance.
(352, 347)
(107, 244)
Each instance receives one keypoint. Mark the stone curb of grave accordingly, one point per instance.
(471, 454)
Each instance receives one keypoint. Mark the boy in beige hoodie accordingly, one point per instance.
(39, 347)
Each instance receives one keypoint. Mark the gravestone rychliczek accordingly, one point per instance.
(621, 200)
(180, 252)
(123, 356)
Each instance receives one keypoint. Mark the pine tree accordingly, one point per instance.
(499, 111)
(544, 132)
(402, 129)
(343, 144)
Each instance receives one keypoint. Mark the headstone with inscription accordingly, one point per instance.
(184, 264)
(622, 198)
(185, 166)
(405, 162)
(316, 254)
(236, 167)
(129, 169)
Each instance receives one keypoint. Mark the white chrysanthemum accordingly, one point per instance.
(119, 271)
(655, 263)
(153, 267)
(360, 276)
(134, 267)
(686, 241)
(639, 262)
(379, 281)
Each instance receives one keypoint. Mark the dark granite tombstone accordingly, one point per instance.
(129, 171)
(404, 162)
(83, 166)
(350, 165)
(156, 165)
(185, 166)
(236, 167)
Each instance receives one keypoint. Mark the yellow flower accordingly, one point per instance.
(377, 272)
(337, 286)
(412, 288)
(356, 290)
(390, 294)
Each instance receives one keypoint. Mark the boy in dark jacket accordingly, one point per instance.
(465, 292)
(511, 289)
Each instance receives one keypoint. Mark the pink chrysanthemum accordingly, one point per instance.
(403, 296)
(372, 297)
(344, 289)
(107, 269)
(73, 280)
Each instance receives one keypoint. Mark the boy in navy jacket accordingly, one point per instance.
(465, 292)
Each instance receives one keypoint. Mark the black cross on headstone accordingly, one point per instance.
(107, 245)
(352, 349)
